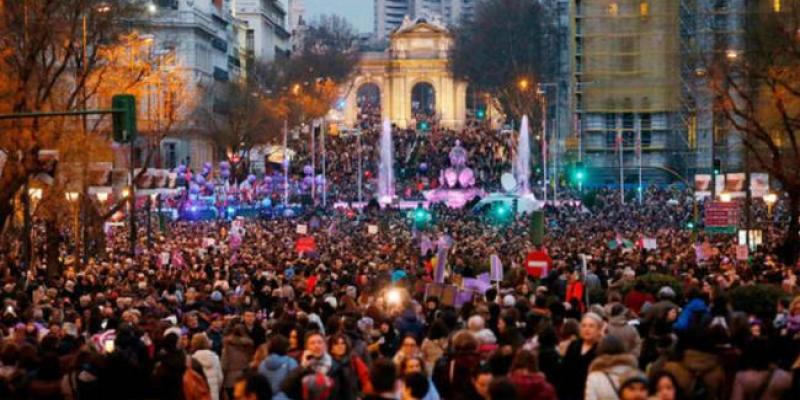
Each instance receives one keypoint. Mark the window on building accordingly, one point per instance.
(644, 8)
(776, 5)
(250, 41)
(170, 156)
(203, 57)
(613, 9)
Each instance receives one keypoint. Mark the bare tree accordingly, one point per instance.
(759, 95)
(505, 50)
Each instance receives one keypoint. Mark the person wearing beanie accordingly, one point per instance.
(633, 387)
(579, 355)
(607, 371)
(619, 327)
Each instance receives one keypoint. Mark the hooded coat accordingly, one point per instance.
(236, 354)
(276, 368)
(606, 373)
(212, 370)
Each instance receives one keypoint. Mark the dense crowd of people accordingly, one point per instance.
(344, 304)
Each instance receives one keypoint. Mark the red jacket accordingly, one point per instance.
(532, 386)
(575, 291)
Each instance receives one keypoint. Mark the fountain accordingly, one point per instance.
(457, 183)
(522, 162)
(386, 169)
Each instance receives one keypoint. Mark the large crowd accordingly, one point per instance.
(240, 310)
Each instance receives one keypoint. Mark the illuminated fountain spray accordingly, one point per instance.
(386, 171)
(522, 163)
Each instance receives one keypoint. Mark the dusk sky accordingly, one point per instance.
(358, 12)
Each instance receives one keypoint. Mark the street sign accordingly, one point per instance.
(722, 216)
(538, 263)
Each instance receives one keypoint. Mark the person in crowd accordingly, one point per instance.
(457, 366)
(758, 379)
(529, 382)
(383, 376)
(503, 388)
(415, 386)
(212, 369)
(608, 370)
(348, 371)
(579, 356)
(663, 386)
(415, 365)
(277, 366)
(633, 387)
(408, 349)
(252, 386)
(237, 350)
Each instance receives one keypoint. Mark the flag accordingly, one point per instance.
(619, 242)
(495, 268)
(425, 245)
(441, 262)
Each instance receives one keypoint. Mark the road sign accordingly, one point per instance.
(538, 263)
(721, 216)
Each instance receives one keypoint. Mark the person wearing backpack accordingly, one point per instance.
(277, 366)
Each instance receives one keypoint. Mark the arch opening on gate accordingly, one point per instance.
(423, 100)
(368, 103)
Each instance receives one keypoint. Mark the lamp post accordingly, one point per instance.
(770, 199)
(725, 197)
(554, 175)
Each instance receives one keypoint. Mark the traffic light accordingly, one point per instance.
(537, 228)
(501, 213)
(717, 166)
(420, 217)
(124, 117)
(480, 114)
(690, 225)
(423, 126)
(579, 173)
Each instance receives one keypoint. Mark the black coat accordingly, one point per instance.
(574, 370)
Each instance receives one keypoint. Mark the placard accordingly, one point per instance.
(372, 229)
(302, 229)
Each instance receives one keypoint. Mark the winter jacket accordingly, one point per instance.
(212, 370)
(236, 354)
(695, 311)
(452, 374)
(409, 324)
(276, 368)
(697, 367)
(574, 370)
(749, 383)
(606, 373)
(532, 386)
(619, 327)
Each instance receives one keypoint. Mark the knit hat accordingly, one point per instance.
(509, 300)
(632, 378)
(610, 345)
(666, 292)
(317, 386)
(216, 296)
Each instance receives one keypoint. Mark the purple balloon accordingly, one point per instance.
(224, 165)
(308, 180)
(200, 179)
(320, 180)
(225, 173)
(251, 178)
(210, 186)
(194, 188)
(207, 165)
(423, 167)
(267, 180)
(308, 170)
(181, 169)
(466, 178)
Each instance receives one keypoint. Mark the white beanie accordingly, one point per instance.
(509, 300)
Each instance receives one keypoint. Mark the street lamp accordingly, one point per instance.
(72, 196)
(35, 193)
(770, 199)
(102, 196)
(125, 193)
(152, 8)
(725, 197)
(732, 54)
(523, 84)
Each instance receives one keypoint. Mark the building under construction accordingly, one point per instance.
(639, 70)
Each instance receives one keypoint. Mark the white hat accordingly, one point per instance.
(509, 300)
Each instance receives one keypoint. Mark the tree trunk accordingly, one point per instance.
(790, 244)
(53, 243)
